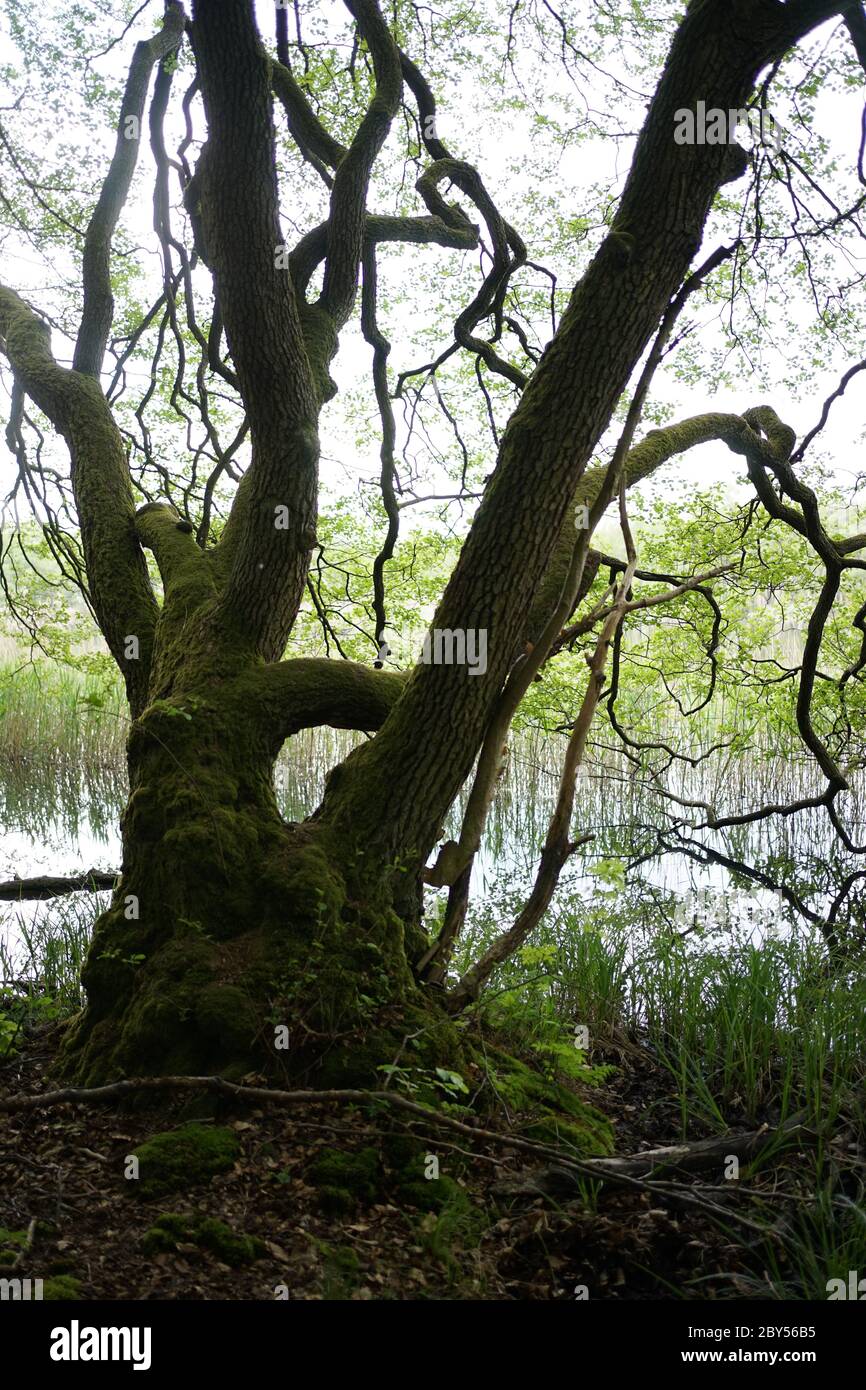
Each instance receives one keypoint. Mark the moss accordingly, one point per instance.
(61, 1288)
(457, 1225)
(184, 1157)
(559, 1114)
(345, 1260)
(173, 1228)
(429, 1194)
(11, 1244)
(247, 923)
(401, 1150)
(341, 1271)
(337, 1201)
(352, 1066)
(356, 1064)
(344, 962)
(167, 1230)
(320, 339)
(145, 1027)
(283, 931)
(408, 1161)
(18, 1239)
(225, 1014)
(557, 1131)
(229, 1246)
(345, 1179)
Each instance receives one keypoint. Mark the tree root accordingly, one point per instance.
(563, 1178)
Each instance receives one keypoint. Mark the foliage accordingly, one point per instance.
(183, 1157)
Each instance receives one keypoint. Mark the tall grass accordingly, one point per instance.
(62, 739)
(50, 951)
(50, 710)
(40, 964)
(823, 1238)
(747, 1031)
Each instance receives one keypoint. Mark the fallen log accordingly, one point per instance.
(696, 1157)
(49, 886)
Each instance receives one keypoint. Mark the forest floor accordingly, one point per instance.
(68, 1215)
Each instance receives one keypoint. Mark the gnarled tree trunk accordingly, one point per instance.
(227, 922)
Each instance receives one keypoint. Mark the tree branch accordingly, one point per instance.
(49, 886)
(119, 587)
(307, 131)
(349, 194)
(98, 309)
(182, 564)
(264, 552)
(563, 412)
(307, 692)
(558, 845)
(313, 246)
(657, 447)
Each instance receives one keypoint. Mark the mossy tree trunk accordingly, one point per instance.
(228, 923)
(228, 926)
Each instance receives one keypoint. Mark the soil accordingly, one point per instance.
(62, 1181)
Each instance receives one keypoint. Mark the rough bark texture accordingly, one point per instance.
(715, 57)
(226, 921)
(266, 563)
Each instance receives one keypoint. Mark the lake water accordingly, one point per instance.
(61, 818)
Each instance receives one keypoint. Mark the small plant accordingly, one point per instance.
(415, 1080)
(9, 1030)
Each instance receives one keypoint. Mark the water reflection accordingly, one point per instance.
(60, 815)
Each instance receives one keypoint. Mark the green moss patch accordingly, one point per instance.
(557, 1115)
(172, 1229)
(345, 1180)
(341, 1271)
(224, 1014)
(452, 1224)
(431, 1194)
(182, 1158)
(61, 1288)
(11, 1244)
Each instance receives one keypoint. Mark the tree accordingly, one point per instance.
(240, 918)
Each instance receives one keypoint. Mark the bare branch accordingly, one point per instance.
(349, 194)
(98, 299)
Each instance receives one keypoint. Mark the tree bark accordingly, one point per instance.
(228, 922)
(393, 794)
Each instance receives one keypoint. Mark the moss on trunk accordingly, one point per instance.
(236, 942)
